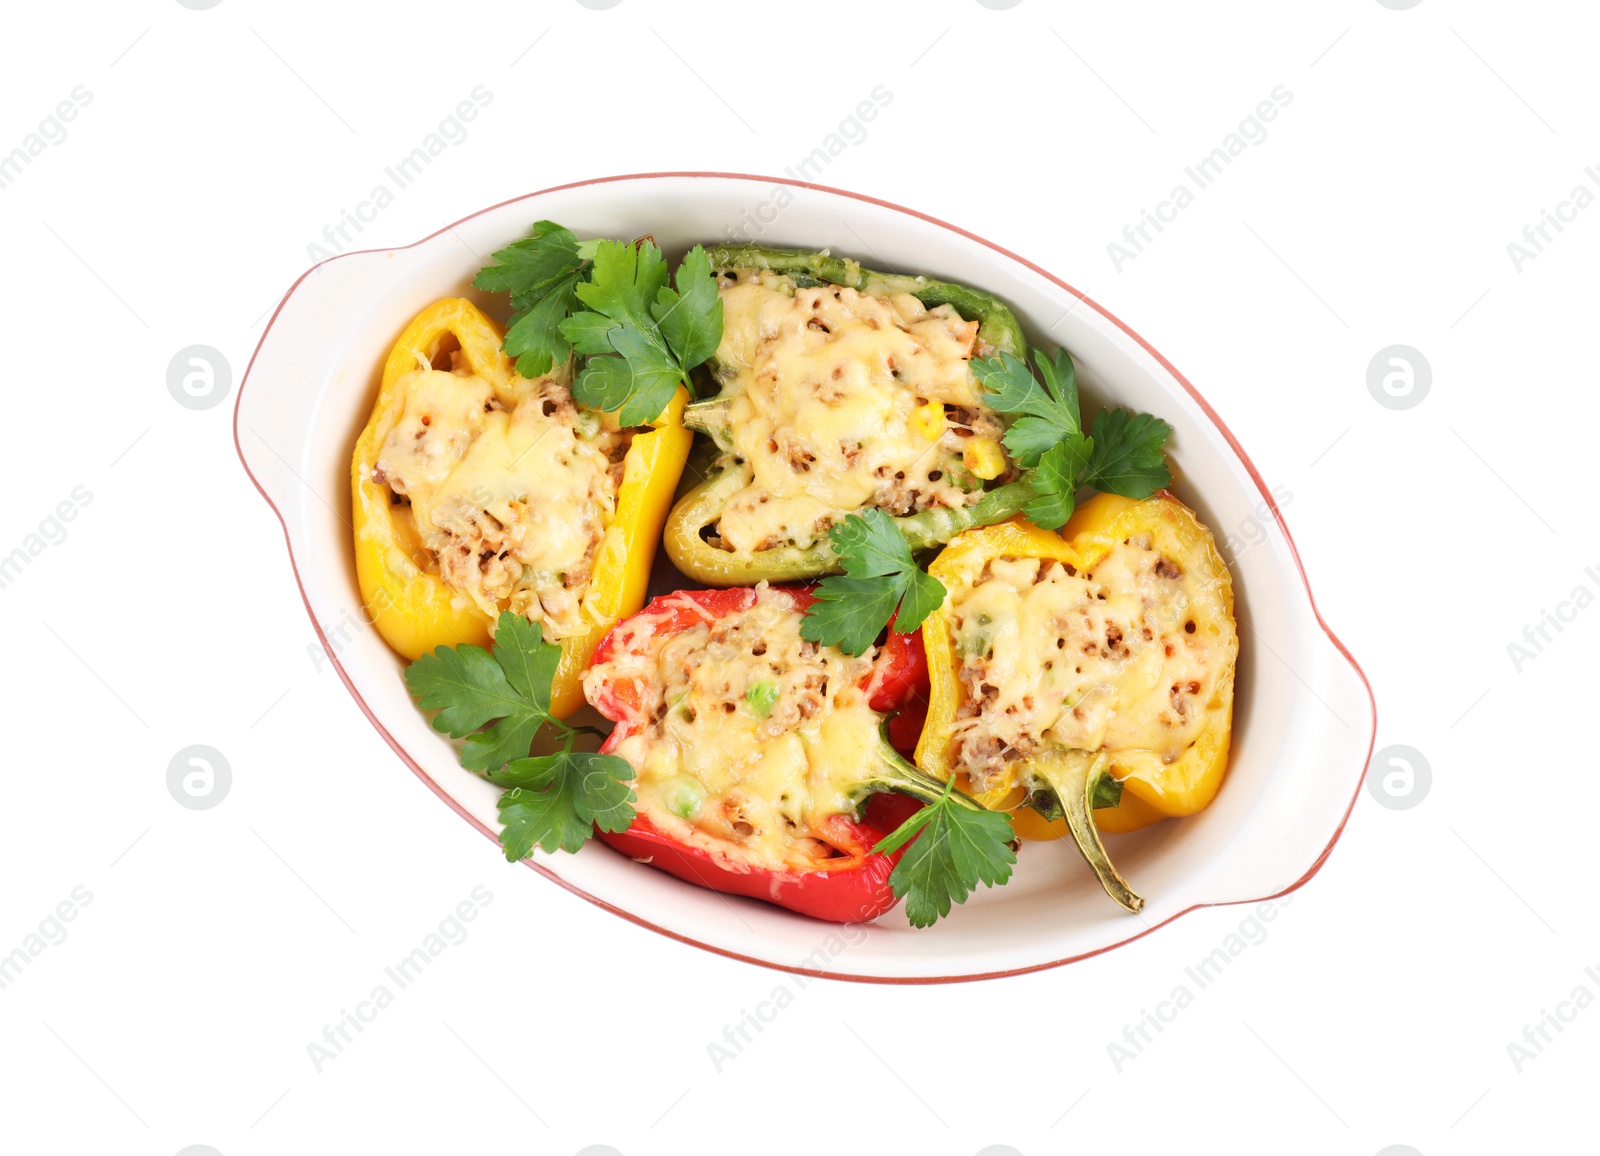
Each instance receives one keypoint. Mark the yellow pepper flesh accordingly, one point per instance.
(1152, 790)
(411, 607)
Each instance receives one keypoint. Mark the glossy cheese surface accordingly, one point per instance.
(842, 400)
(1127, 647)
(751, 736)
(510, 503)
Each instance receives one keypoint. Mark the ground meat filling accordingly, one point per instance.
(1107, 659)
(843, 400)
(510, 498)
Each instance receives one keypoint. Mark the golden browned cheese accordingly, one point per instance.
(513, 502)
(1087, 660)
(843, 400)
(755, 736)
(1115, 636)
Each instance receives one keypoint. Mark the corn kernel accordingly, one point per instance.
(928, 420)
(983, 457)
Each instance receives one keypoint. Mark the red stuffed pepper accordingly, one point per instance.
(761, 760)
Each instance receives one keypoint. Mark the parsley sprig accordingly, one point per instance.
(881, 581)
(958, 845)
(499, 701)
(1121, 454)
(641, 336)
(541, 273)
(610, 303)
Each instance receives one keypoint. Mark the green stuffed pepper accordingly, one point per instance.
(841, 389)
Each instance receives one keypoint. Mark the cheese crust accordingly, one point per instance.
(510, 497)
(749, 734)
(1114, 658)
(842, 400)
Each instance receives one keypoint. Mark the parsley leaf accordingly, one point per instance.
(624, 281)
(657, 333)
(540, 272)
(507, 739)
(1050, 410)
(527, 268)
(589, 333)
(1124, 455)
(553, 800)
(1061, 379)
(881, 575)
(1057, 480)
(690, 316)
(635, 388)
(1128, 458)
(556, 800)
(528, 660)
(534, 336)
(850, 612)
(957, 847)
(470, 686)
(923, 596)
(610, 302)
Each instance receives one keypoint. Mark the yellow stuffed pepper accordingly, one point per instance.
(475, 491)
(1084, 679)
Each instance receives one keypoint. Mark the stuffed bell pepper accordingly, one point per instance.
(477, 490)
(1087, 675)
(513, 486)
(841, 390)
(761, 765)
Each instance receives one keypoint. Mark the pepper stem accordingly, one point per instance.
(710, 417)
(893, 772)
(1072, 775)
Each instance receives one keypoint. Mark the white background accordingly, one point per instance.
(217, 944)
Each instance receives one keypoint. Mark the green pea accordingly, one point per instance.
(976, 644)
(761, 697)
(683, 796)
(962, 478)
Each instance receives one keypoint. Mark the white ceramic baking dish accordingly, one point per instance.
(1305, 718)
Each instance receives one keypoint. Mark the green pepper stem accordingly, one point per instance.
(893, 772)
(997, 325)
(711, 417)
(1072, 774)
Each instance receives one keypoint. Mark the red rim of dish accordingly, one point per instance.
(1205, 406)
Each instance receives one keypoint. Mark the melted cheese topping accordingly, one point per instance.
(512, 504)
(1107, 660)
(842, 400)
(753, 736)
